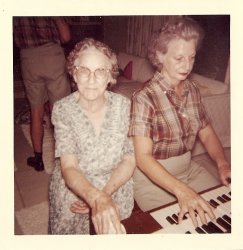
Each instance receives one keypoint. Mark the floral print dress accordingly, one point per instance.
(98, 156)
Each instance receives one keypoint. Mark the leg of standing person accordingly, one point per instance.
(31, 65)
(47, 116)
(45, 78)
(37, 134)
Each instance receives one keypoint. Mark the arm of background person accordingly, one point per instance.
(188, 199)
(211, 142)
(64, 30)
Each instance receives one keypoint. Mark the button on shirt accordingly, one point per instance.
(172, 122)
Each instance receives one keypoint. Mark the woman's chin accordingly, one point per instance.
(91, 95)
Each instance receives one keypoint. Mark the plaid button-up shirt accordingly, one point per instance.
(30, 32)
(171, 122)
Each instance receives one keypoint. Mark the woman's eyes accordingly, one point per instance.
(180, 59)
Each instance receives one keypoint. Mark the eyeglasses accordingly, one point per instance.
(83, 72)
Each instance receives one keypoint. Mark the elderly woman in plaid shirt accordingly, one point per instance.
(167, 115)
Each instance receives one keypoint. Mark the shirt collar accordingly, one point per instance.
(167, 89)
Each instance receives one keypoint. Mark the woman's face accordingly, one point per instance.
(178, 61)
(92, 74)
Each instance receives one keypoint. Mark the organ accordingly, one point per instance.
(163, 220)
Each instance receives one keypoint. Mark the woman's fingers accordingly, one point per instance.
(192, 214)
(181, 215)
(96, 225)
(116, 224)
(201, 215)
(107, 221)
(79, 207)
(197, 210)
(206, 208)
(101, 222)
(225, 174)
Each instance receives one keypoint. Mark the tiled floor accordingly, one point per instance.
(30, 187)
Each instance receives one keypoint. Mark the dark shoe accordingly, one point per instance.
(38, 165)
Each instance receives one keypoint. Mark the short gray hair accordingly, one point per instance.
(103, 48)
(178, 27)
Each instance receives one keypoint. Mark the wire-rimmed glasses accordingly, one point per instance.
(84, 72)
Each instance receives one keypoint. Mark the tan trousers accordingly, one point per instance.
(148, 195)
(44, 74)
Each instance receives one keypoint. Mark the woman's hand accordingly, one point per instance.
(105, 215)
(224, 173)
(79, 207)
(192, 203)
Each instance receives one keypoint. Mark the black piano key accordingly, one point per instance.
(170, 220)
(211, 228)
(175, 217)
(187, 232)
(207, 229)
(230, 193)
(215, 227)
(222, 200)
(227, 218)
(224, 224)
(184, 217)
(227, 198)
(214, 203)
(199, 230)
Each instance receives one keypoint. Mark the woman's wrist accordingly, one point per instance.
(107, 190)
(222, 164)
(180, 189)
(93, 196)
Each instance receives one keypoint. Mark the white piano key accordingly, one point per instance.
(161, 214)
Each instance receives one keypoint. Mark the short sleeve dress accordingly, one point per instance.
(98, 156)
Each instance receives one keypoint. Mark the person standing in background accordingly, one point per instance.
(43, 70)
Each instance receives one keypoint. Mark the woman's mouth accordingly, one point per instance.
(184, 74)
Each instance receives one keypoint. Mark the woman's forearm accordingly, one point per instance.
(152, 168)
(121, 174)
(212, 145)
(76, 180)
(80, 185)
(159, 175)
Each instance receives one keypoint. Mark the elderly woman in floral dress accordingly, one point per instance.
(94, 156)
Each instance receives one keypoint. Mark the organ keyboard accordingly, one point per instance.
(164, 220)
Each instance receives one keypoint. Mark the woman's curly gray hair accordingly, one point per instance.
(178, 27)
(103, 48)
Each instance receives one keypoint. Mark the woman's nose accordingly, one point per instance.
(92, 78)
(187, 65)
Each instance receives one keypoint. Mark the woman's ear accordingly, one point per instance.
(160, 56)
(74, 77)
(110, 79)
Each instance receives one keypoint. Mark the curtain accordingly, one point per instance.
(140, 30)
